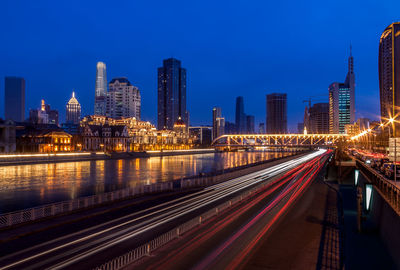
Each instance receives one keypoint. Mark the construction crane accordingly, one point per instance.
(311, 98)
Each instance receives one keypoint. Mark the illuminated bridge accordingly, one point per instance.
(276, 140)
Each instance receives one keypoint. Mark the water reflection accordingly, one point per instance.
(31, 185)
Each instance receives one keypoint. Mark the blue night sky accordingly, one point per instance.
(229, 48)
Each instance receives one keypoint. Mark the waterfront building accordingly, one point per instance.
(342, 100)
(319, 119)
(44, 141)
(250, 124)
(171, 94)
(389, 73)
(261, 128)
(43, 115)
(100, 99)
(7, 136)
(105, 138)
(240, 116)
(276, 113)
(73, 110)
(123, 99)
(202, 135)
(14, 99)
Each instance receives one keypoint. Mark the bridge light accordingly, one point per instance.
(368, 196)
(391, 120)
(356, 173)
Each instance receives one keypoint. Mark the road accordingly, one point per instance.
(97, 244)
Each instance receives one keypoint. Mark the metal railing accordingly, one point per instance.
(389, 191)
(146, 249)
(53, 209)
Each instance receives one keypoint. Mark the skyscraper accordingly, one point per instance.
(100, 89)
(171, 94)
(218, 123)
(14, 99)
(341, 101)
(73, 111)
(240, 116)
(123, 99)
(389, 73)
(276, 113)
(319, 119)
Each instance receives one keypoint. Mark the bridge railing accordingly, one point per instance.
(146, 249)
(53, 209)
(389, 191)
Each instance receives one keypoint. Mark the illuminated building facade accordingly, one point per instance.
(201, 135)
(100, 89)
(352, 129)
(342, 101)
(14, 99)
(44, 141)
(276, 113)
(123, 99)
(73, 110)
(389, 73)
(171, 94)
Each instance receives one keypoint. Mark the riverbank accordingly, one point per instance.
(39, 158)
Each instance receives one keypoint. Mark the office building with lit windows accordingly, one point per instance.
(342, 101)
(123, 99)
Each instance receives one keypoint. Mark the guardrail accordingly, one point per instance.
(146, 249)
(389, 191)
(53, 209)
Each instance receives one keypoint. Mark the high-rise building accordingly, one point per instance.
(363, 123)
(389, 73)
(341, 101)
(276, 113)
(250, 124)
(300, 128)
(14, 99)
(230, 128)
(43, 115)
(218, 128)
(100, 89)
(319, 119)
(123, 99)
(171, 94)
(73, 111)
(240, 116)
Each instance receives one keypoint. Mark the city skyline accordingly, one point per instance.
(76, 62)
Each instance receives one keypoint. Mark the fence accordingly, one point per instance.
(389, 191)
(53, 209)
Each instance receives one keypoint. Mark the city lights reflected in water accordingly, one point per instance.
(32, 185)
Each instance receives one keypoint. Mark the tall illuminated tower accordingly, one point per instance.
(73, 110)
(100, 89)
(389, 73)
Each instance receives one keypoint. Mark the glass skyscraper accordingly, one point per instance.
(14, 99)
(389, 73)
(171, 94)
(342, 101)
(100, 89)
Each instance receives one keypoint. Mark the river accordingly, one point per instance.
(26, 186)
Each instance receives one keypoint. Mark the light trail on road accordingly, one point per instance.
(67, 250)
